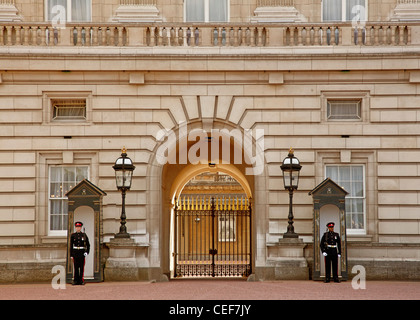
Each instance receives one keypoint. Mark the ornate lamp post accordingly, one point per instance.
(123, 175)
(291, 169)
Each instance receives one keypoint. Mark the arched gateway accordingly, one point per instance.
(212, 228)
(207, 200)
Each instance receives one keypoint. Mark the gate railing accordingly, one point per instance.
(212, 237)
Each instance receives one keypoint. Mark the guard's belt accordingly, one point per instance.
(331, 246)
(79, 248)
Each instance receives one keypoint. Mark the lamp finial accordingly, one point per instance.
(291, 151)
(123, 150)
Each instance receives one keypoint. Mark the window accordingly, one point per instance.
(352, 179)
(206, 10)
(344, 109)
(344, 10)
(62, 180)
(70, 10)
(67, 106)
(68, 109)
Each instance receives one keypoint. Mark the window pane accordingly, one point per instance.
(194, 10)
(332, 10)
(81, 10)
(357, 182)
(55, 174)
(56, 190)
(68, 109)
(218, 10)
(344, 110)
(62, 180)
(332, 173)
(344, 178)
(69, 174)
(81, 173)
(54, 9)
(56, 215)
(355, 9)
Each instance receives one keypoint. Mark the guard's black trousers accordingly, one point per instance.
(79, 268)
(331, 259)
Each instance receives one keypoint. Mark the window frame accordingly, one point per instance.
(357, 117)
(363, 96)
(207, 13)
(63, 199)
(353, 231)
(344, 12)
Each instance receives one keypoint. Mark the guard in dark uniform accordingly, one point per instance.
(79, 249)
(331, 249)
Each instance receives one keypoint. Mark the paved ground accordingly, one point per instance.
(212, 299)
(215, 290)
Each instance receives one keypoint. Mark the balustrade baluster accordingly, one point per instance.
(188, 37)
(48, 35)
(8, 35)
(292, 36)
(265, 37)
(316, 36)
(19, 39)
(393, 30)
(360, 33)
(40, 36)
(240, 36)
(24, 35)
(159, 37)
(80, 36)
(235, 37)
(215, 37)
(196, 37)
(155, 36)
(119, 42)
(180, 36)
(229, 35)
(2, 38)
(254, 37)
(56, 36)
(333, 36)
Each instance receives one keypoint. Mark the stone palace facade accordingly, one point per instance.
(339, 81)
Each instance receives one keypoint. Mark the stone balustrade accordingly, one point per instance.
(208, 35)
(138, 2)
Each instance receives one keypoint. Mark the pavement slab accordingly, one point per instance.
(212, 289)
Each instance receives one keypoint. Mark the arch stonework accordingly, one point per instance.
(165, 182)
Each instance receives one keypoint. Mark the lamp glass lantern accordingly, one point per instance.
(291, 171)
(123, 171)
(123, 176)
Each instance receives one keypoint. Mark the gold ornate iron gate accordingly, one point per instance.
(212, 237)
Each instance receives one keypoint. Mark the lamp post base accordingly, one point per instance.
(290, 235)
(122, 235)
